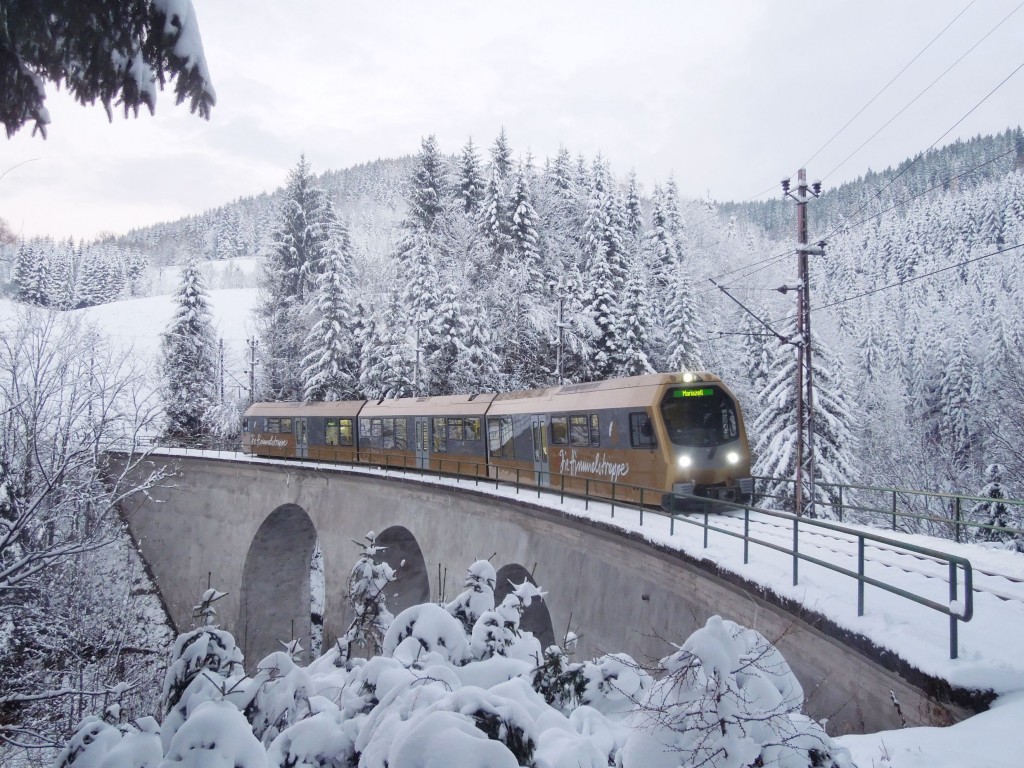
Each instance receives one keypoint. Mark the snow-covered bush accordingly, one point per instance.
(727, 699)
(997, 513)
(436, 698)
(367, 601)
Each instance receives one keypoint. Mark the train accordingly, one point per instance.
(657, 439)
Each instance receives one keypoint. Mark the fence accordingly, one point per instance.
(903, 509)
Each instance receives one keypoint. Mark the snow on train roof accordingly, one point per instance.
(292, 408)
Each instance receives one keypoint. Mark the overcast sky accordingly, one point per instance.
(728, 96)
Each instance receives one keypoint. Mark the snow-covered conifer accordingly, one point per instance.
(470, 179)
(330, 366)
(1006, 520)
(189, 355)
(636, 323)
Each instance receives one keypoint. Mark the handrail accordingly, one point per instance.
(954, 523)
(957, 609)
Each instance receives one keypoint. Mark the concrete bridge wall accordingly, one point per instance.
(251, 527)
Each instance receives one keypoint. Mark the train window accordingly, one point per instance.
(273, 425)
(286, 425)
(559, 430)
(387, 431)
(641, 431)
(455, 430)
(579, 430)
(401, 434)
(247, 424)
(499, 438)
(364, 431)
(331, 432)
(699, 417)
(440, 436)
(345, 432)
(472, 428)
(595, 429)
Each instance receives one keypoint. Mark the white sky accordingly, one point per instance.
(730, 96)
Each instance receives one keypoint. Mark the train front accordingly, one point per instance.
(706, 446)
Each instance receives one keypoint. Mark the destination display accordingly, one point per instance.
(702, 392)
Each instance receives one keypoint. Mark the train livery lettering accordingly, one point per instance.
(270, 442)
(600, 466)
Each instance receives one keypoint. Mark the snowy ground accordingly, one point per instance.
(988, 657)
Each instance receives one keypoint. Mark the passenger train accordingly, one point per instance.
(675, 433)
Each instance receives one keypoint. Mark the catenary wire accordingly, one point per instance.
(885, 87)
(923, 92)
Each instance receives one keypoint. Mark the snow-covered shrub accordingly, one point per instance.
(367, 599)
(435, 698)
(728, 699)
(478, 596)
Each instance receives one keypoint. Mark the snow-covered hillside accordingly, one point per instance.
(136, 324)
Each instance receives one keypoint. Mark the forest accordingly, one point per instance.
(492, 270)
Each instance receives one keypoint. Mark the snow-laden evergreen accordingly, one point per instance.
(775, 428)
(330, 367)
(189, 360)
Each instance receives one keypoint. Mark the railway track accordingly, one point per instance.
(1002, 586)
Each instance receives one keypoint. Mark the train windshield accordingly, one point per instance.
(699, 416)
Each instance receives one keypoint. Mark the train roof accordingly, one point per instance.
(628, 392)
(444, 405)
(286, 409)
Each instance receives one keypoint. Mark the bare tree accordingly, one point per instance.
(67, 403)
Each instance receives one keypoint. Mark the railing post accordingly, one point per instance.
(860, 574)
(586, 493)
(706, 525)
(840, 503)
(894, 509)
(746, 536)
(956, 521)
(796, 550)
(952, 612)
(613, 500)
(561, 482)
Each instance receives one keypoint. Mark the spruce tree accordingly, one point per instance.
(329, 368)
(189, 355)
(470, 180)
(429, 186)
(307, 228)
(834, 443)
(29, 276)
(636, 323)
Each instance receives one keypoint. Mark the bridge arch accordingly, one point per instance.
(402, 552)
(274, 600)
(536, 618)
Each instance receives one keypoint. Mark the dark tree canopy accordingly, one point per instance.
(113, 51)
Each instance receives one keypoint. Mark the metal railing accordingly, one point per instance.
(903, 509)
(645, 502)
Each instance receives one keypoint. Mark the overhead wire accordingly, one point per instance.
(915, 278)
(886, 86)
(773, 259)
(925, 90)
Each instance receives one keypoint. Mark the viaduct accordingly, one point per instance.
(250, 527)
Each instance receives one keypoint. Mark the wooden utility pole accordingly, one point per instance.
(252, 369)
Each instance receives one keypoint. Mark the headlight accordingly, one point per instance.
(732, 457)
(685, 461)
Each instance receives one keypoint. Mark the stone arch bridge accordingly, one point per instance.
(249, 527)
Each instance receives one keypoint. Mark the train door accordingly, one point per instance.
(301, 438)
(422, 442)
(540, 450)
